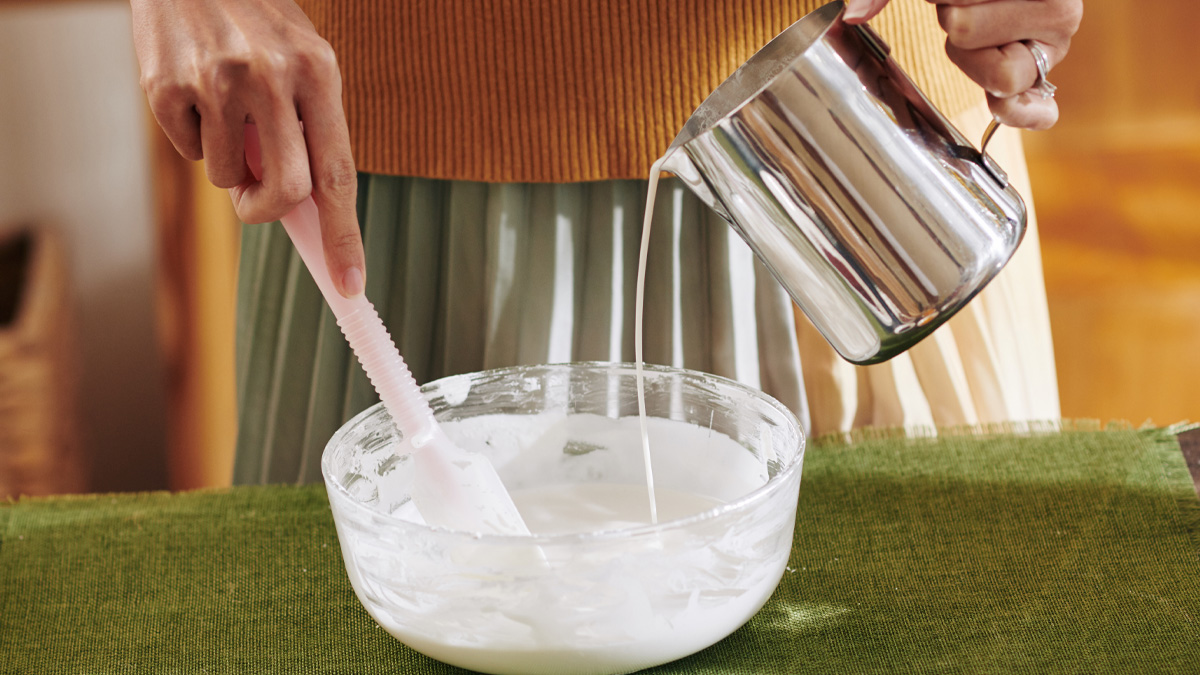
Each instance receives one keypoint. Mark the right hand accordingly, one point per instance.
(211, 66)
(987, 40)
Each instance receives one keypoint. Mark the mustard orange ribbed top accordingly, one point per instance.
(564, 90)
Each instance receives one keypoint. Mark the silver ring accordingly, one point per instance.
(1043, 67)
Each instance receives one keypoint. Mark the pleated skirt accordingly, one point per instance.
(470, 276)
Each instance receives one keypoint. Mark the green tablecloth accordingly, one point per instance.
(1063, 552)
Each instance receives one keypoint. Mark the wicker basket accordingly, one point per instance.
(39, 438)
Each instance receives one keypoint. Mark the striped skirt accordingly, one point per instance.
(471, 276)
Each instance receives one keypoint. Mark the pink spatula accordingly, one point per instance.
(453, 488)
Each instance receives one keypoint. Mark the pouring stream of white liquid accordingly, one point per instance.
(651, 191)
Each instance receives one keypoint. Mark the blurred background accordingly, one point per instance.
(118, 261)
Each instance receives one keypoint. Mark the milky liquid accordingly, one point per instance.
(637, 624)
(600, 507)
(624, 599)
(639, 306)
(612, 606)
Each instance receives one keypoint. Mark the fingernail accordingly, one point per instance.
(352, 282)
(855, 10)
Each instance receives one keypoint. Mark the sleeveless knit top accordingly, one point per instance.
(565, 90)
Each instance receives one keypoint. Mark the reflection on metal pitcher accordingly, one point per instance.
(878, 217)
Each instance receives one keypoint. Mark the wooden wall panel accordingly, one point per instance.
(197, 265)
(1117, 188)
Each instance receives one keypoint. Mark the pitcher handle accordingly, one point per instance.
(988, 163)
(1041, 85)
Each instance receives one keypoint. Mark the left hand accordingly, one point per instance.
(985, 38)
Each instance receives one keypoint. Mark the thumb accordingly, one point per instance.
(861, 11)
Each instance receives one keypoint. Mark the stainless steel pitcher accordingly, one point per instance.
(878, 217)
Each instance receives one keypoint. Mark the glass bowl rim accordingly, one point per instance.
(745, 502)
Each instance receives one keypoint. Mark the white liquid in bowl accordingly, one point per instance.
(600, 507)
(598, 590)
(641, 624)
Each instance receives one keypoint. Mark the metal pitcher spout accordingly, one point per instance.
(677, 162)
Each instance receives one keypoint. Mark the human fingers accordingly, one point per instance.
(334, 177)
(1017, 97)
(1010, 76)
(1027, 110)
(284, 180)
(1002, 71)
(210, 65)
(977, 24)
(993, 42)
(221, 130)
(170, 96)
(861, 11)
(173, 105)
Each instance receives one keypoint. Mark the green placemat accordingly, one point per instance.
(1075, 552)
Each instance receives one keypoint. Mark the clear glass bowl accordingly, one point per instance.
(610, 601)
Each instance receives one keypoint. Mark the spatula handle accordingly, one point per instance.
(357, 318)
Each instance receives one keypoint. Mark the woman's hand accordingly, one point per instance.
(211, 66)
(985, 39)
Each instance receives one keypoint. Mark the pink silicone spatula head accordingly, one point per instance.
(453, 488)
